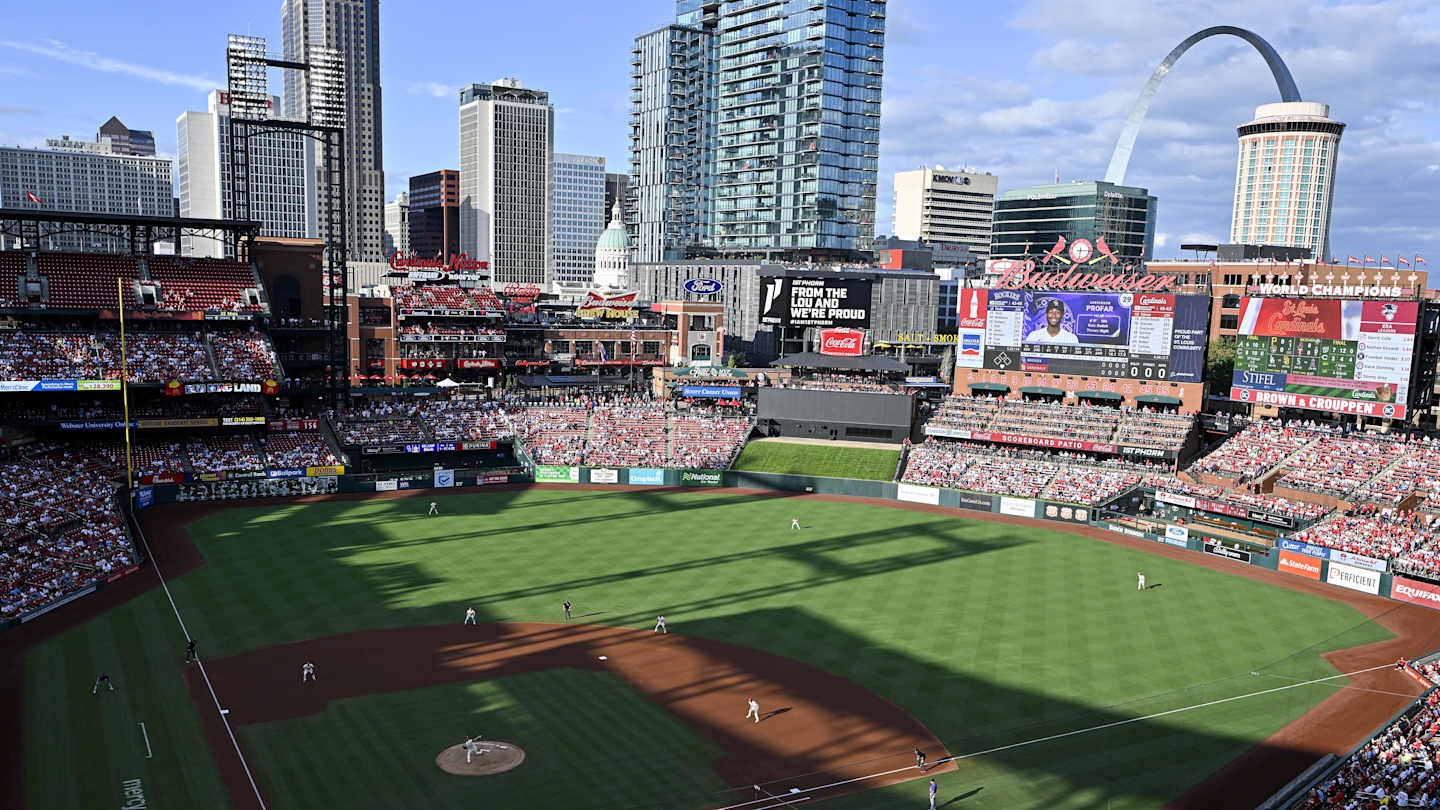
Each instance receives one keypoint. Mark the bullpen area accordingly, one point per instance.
(1023, 660)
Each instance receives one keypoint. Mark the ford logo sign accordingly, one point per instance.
(702, 286)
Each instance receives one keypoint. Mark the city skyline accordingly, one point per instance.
(1037, 94)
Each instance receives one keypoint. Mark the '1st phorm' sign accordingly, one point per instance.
(815, 302)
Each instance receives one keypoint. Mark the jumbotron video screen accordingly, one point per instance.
(1326, 354)
(1140, 335)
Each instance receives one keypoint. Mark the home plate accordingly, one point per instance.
(604, 658)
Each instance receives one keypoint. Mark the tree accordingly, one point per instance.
(1219, 367)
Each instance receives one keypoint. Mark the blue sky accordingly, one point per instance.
(1023, 90)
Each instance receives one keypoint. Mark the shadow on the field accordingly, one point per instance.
(1060, 748)
(963, 796)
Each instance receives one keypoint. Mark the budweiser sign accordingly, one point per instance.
(842, 342)
(622, 306)
(1016, 276)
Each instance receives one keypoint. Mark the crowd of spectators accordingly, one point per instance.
(1103, 424)
(160, 356)
(1019, 473)
(966, 413)
(627, 434)
(1419, 469)
(554, 434)
(1300, 510)
(465, 418)
(1147, 427)
(1090, 423)
(836, 381)
(1372, 532)
(244, 355)
(61, 528)
(1255, 450)
(706, 440)
(223, 453)
(293, 450)
(1337, 465)
(1396, 768)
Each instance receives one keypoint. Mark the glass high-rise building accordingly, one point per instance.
(1029, 221)
(1285, 177)
(577, 216)
(780, 103)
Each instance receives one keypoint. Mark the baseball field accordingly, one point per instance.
(1025, 653)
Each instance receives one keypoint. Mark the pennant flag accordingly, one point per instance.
(30, 195)
(1369, 258)
(1401, 261)
(1349, 260)
(1384, 259)
(1419, 261)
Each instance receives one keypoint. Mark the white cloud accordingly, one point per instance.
(55, 49)
(435, 89)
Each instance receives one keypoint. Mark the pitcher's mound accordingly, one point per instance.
(492, 757)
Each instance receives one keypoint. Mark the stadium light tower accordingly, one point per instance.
(323, 120)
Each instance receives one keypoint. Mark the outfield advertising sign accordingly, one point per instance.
(1300, 565)
(1228, 553)
(1357, 560)
(1414, 592)
(914, 494)
(286, 472)
(1356, 579)
(645, 476)
(701, 478)
(1019, 507)
(388, 485)
(604, 476)
(976, 501)
(144, 496)
(1177, 536)
(545, 473)
(1066, 513)
(444, 478)
(1304, 548)
(484, 480)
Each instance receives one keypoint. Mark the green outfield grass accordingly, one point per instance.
(991, 634)
(818, 459)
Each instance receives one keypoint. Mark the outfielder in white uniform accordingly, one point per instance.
(433, 509)
(754, 710)
(469, 616)
(794, 523)
(307, 672)
(660, 625)
(1140, 586)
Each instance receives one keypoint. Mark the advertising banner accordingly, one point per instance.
(842, 342)
(487, 480)
(163, 478)
(604, 476)
(388, 485)
(1228, 553)
(1283, 521)
(289, 472)
(223, 388)
(1300, 564)
(701, 478)
(914, 494)
(59, 385)
(237, 421)
(621, 307)
(1030, 441)
(1125, 530)
(970, 328)
(815, 302)
(545, 473)
(1415, 592)
(162, 424)
(711, 391)
(976, 501)
(1178, 536)
(1357, 560)
(1356, 579)
(144, 496)
(444, 478)
(472, 337)
(1175, 498)
(331, 470)
(294, 424)
(1066, 513)
(1304, 548)
(477, 362)
(1019, 507)
(97, 424)
(647, 477)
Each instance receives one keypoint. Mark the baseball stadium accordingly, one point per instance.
(269, 543)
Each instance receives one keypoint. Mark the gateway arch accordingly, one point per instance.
(1120, 159)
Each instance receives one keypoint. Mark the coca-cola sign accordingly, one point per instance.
(842, 342)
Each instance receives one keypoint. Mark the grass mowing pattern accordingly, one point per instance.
(814, 459)
(991, 634)
(589, 740)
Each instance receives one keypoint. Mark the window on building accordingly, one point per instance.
(1229, 321)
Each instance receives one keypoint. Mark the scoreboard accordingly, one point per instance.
(1326, 354)
(1141, 335)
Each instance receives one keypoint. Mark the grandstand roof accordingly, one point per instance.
(871, 362)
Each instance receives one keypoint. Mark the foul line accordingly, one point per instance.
(221, 712)
(1101, 727)
(148, 755)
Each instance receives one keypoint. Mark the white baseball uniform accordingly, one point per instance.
(469, 616)
(307, 672)
(660, 625)
(754, 711)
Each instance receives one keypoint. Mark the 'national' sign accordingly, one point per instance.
(842, 342)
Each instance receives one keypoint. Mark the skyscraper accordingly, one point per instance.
(352, 27)
(950, 207)
(1285, 177)
(1030, 221)
(577, 216)
(397, 225)
(617, 187)
(124, 140)
(435, 214)
(282, 182)
(780, 102)
(507, 143)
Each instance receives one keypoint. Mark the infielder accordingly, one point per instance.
(103, 680)
(1141, 585)
(920, 760)
(190, 651)
(567, 610)
(469, 616)
(660, 625)
(307, 672)
(794, 523)
(433, 509)
(754, 710)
